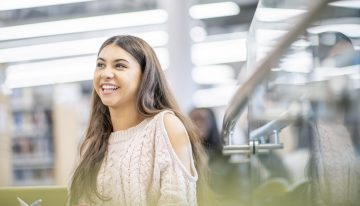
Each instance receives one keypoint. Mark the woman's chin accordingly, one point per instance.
(108, 103)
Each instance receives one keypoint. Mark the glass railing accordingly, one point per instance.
(300, 106)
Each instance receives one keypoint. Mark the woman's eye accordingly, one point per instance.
(120, 66)
(100, 65)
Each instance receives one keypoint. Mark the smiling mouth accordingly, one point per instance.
(106, 88)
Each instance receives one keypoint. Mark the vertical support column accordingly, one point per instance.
(66, 130)
(5, 134)
(179, 46)
(5, 142)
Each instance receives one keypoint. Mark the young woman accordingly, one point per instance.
(138, 148)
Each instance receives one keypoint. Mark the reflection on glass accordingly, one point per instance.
(306, 111)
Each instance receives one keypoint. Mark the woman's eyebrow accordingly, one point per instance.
(116, 60)
(102, 59)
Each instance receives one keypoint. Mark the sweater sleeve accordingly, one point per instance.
(177, 184)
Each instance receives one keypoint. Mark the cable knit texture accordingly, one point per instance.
(141, 168)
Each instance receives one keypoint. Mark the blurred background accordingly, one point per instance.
(208, 49)
(47, 58)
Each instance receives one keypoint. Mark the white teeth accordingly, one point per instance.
(109, 87)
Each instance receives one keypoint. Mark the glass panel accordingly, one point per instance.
(313, 93)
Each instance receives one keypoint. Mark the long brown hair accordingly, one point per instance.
(153, 97)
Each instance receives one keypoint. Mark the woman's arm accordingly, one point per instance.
(179, 139)
(177, 171)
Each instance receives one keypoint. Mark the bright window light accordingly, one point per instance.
(219, 52)
(214, 74)
(23, 4)
(205, 11)
(276, 14)
(59, 70)
(83, 24)
(71, 48)
(350, 30)
(355, 4)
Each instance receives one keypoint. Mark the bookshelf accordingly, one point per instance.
(32, 149)
(45, 125)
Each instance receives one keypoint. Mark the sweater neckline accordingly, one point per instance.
(126, 134)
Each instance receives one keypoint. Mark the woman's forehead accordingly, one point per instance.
(113, 52)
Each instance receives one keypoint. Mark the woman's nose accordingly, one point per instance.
(108, 74)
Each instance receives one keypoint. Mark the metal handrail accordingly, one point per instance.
(277, 124)
(271, 129)
(240, 98)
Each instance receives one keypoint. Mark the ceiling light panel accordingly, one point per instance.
(219, 52)
(23, 4)
(205, 11)
(214, 74)
(71, 48)
(354, 4)
(87, 24)
(60, 70)
(276, 14)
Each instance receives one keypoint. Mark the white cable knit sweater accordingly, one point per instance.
(141, 168)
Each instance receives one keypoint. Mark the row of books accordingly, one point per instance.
(32, 147)
(31, 123)
(25, 177)
(32, 138)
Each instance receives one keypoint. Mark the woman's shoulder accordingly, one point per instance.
(174, 127)
(177, 141)
(170, 123)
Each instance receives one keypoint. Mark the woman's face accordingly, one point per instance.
(117, 77)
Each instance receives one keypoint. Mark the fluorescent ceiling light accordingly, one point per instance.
(214, 97)
(214, 74)
(219, 52)
(50, 72)
(71, 48)
(276, 14)
(266, 39)
(355, 4)
(205, 11)
(83, 24)
(51, 50)
(350, 30)
(59, 70)
(23, 4)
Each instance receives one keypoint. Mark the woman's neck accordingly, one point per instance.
(122, 119)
